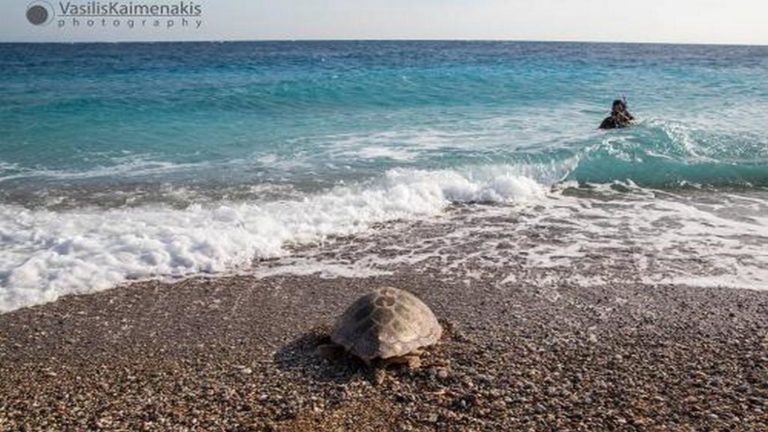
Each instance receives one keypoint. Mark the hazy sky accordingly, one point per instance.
(689, 21)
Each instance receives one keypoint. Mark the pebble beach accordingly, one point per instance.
(238, 353)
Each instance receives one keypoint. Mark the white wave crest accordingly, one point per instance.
(47, 254)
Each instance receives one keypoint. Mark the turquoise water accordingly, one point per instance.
(318, 112)
(123, 161)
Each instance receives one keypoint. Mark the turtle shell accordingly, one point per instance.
(386, 323)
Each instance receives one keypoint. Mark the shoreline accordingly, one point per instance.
(214, 209)
(237, 352)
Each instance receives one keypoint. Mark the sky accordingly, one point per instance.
(671, 21)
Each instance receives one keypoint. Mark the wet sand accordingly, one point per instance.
(237, 353)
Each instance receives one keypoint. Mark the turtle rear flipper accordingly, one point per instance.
(330, 351)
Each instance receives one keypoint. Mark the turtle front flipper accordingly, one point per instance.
(413, 361)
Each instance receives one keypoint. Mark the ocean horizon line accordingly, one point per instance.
(414, 40)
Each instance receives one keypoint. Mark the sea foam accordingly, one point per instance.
(47, 254)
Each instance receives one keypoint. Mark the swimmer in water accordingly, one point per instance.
(619, 118)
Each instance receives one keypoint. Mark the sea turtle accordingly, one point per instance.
(388, 324)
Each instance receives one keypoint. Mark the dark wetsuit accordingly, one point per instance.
(616, 121)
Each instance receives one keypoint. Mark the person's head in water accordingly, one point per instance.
(618, 106)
